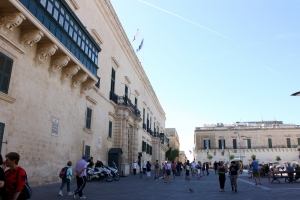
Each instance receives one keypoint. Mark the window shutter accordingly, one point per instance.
(220, 144)
(224, 144)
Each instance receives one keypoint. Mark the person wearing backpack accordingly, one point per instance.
(15, 177)
(66, 176)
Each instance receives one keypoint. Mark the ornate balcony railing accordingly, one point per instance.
(164, 140)
(121, 100)
(61, 21)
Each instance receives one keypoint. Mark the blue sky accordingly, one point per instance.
(243, 68)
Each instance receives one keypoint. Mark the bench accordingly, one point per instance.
(287, 175)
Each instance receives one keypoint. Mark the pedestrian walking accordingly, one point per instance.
(256, 173)
(203, 169)
(207, 168)
(156, 170)
(198, 166)
(215, 166)
(173, 166)
(148, 168)
(15, 177)
(222, 178)
(187, 170)
(144, 167)
(80, 170)
(233, 175)
(66, 179)
(163, 170)
(168, 171)
(134, 166)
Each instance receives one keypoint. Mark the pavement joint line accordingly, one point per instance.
(251, 183)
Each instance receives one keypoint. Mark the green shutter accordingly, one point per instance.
(288, 141)
(298, 141)
(1, 134)
(5, 72)
(208, 144)
(249, 143)
(220, 144)
(87, 151)
(88, 118)
(234, 144)
(224, 145)
(110, 129)
(270, 142)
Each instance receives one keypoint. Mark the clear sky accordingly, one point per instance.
(218, 61)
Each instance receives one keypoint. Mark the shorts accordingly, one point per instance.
(168, 172)
(198, 171)
(256, 173)
(187, 172)
(149, 174)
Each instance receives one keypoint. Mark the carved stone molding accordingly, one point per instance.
(31, 37)
(87, 85)
(79, 78)
(69, 71)
(43, 52)
(58, 62)
(11, 20)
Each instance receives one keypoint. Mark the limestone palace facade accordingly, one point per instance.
(264, 139)
(71, 85)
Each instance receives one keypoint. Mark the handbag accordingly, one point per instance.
(26, 192)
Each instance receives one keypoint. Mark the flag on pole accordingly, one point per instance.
(141, 45)
(190, 151)
(136, 35)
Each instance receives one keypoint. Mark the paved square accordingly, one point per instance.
(133, 187)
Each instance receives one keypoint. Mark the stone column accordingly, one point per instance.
(125, 165)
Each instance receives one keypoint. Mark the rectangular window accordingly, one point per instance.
(148, 149)
(234, 144)
(126, 91)
(5, 72)
(143, 115)
(144, 146)
(1, 134)
(112, 83)
(270, 143)
(222, 144)
(206, 144)
(135, 102)
(87, 152)
(88, 118)
(49, 7)
(147, 122)
(298, 141)
(288, 142)
(110, 129)
(150, 122)
(249, 143)
(55, 14)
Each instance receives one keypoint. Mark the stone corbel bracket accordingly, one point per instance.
(58, 62)
(79, 78)
(31, 37)
(11, 20)
(87, 85)
(69, 71)
(43, 52)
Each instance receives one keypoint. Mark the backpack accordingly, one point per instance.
(187, 167)
(63, 173)
(156, 166)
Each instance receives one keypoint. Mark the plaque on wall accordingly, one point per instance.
(55, 123)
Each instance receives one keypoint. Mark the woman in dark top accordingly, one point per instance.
(221, 172)
(2, 180)
(148, 166)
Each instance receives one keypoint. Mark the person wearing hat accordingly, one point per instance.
(80, 170)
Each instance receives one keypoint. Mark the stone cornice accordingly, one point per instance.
(115, 23)
(93, 101)
(96, 37)
(7, 98)
(74, 4)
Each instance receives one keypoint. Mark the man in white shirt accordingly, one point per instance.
(134, 166)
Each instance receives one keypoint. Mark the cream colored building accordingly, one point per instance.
(72, 85)
(266, 140)
(173, 137)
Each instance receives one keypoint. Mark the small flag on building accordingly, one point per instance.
(141, 45)
(190, 151)
(136, 35)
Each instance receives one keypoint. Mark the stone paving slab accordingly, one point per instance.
(135, 188)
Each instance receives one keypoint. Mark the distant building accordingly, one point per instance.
(173, 137)
(264, 139)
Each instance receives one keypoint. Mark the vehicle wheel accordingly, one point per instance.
(116, 177)
(89, 178)
(108, 178)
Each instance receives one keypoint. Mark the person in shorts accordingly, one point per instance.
(198, 167)
(187, 170)
(168, 172)
(256, 174)
(173, 166)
